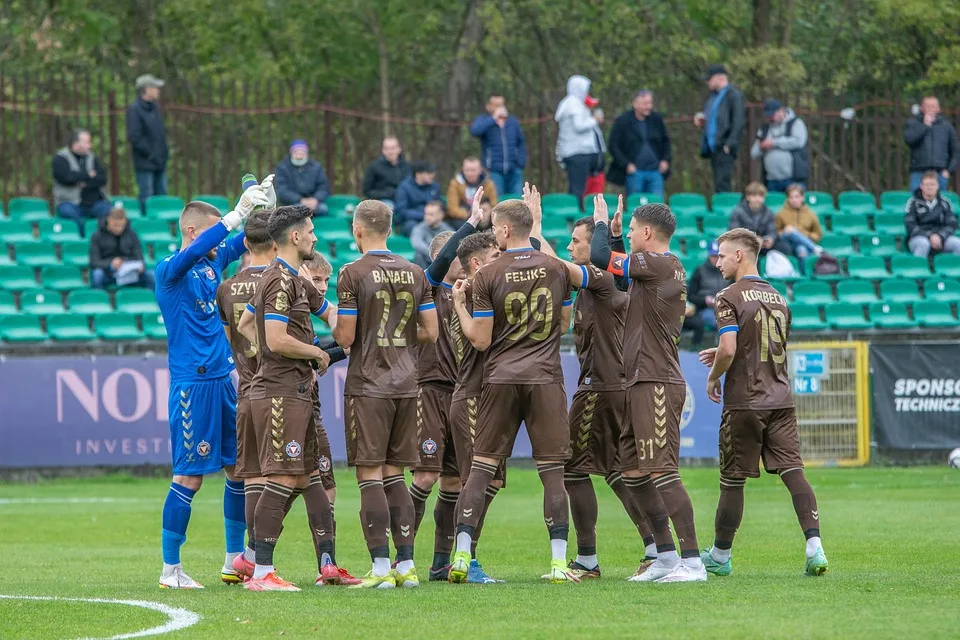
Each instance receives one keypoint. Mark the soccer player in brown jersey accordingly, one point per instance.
(597, 410)
(656, 391)
(386, 310)
(759, 421)
(521, 301)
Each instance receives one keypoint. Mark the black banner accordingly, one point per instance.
(916, 395)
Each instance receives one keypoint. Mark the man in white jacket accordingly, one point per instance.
(579, 142)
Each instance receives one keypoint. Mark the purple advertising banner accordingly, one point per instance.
(112, 411)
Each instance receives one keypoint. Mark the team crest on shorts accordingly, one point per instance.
(324, 464)
(293, 449)
(429, 446)
(203, 448)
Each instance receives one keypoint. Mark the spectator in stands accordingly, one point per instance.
(78, 181)
(640, 147)
(702, 290)
(798, 224)
(301, 180)
(386, 172)
(754, 214)
(412, 196)
(502, 146)
(424, 232)
(723, 121)
(930, 220)
(463, 187)
(782, 145)
(148, 140)
(116, 255)
(933, 144)
(580, 146)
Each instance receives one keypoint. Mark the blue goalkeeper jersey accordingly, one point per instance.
(187, 285)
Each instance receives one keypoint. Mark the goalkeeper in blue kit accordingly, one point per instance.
(203, 400)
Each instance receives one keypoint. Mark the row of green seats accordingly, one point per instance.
(848, 316)
(50, 301)
(899, 290)
(68, 327)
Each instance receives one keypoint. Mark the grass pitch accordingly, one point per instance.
(891, 536)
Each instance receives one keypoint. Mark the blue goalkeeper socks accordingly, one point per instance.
(176, 517)
(234, 523)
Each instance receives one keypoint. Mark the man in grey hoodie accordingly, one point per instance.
(782, 143)
(580, 146)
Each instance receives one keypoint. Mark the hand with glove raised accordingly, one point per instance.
(254, 196)
(268, 189)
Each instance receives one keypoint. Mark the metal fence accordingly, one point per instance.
(218, 130)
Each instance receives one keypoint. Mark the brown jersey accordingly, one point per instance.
(524, 292)
(385, 292)
(233, 296)
(658, 300)
(598, 318)
(470, 362)
(286, 297)
(758, 377)
(438, 361)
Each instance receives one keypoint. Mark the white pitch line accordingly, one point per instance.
(178, 618)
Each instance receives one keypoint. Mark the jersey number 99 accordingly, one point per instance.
(529, 309)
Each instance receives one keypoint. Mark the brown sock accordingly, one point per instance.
(470, 505)
(402, 515)
(615, 482)
(419, 497)
(678, 504)
(375, 518)
(444, 515)
(804, 501)
(729, 511)
(488, 496)
(268, 520)
(556, 506)
(251, 495)
(583, 508)
(649, 501)
(320, 518)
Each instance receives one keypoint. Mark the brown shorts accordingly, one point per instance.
(324, 461)
(747, 436)
(286, 436)
(434, 436)
(596, 419)
(463, 418)
(542, 407)
(652, 441)
(381, 431)
(248, 455)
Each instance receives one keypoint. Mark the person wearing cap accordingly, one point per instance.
(722, 122)
(580, 146)
(148, 140)
(78, 181)
(299, 179)
(782, 144)
(413, 194)
(702, 290)
(640, 147)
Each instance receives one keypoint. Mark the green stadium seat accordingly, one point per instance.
(725, 202)
(90, 227)
(89, 302)
(899, 290)
(867, 268)
(153, 327)
(560, 204)
(856, 292)
(555, 224)
(149, 230)
(117, 326)
(775, 200)
(820, 201)
(56, 230)
(130, 204)
(41, 302)
(683, 203)
(8, 305)
(813, 292)
(5, 259)
(883, 246)
(320, 327)
(21, 328)
(953, 198)
(635, 200)
(941, 290)
(62, 278)
(889, 224)
(220, 202)
(136, 300)
(947, 265)
(850, 224)
(509, 196)
(931, 313)
(76, 253)
(342, 205)
(68, 328)
(17, 278)
(806, 317)
(612, 200)
(28, 209)
(838, 246)
(715, 225)
(847, 316)
(401, 246)
(35, 254)
(690, 264)
(166, 208)
(780, 286)
(890, 315)
(558, 239)
(330, 230)
(348, 255)
(857, 202)
(161, 249)
(687, 227)
(698, 245)
(908, 266)
(15, 231)
(894, 201)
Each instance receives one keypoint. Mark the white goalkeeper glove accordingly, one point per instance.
(267, 185)
(252, 198)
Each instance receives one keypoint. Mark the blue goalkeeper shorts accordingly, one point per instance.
(203, 426)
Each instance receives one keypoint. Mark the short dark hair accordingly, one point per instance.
(437, 243)
(516, 213)
(257, 230)
(930, 174)
(475, 243)
(374, 216)
(318, 263)
(76, 133)
(286, 218)
(659, 216)
(586, 221)
(434, 203)
(194, 211)
(422, 166)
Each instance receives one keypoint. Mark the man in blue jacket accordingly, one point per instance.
(148, 140)
(413, 194)
(503, 148)
(301, 180)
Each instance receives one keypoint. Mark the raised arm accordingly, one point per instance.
(531, 198)
(477, 328)
(437, 270)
